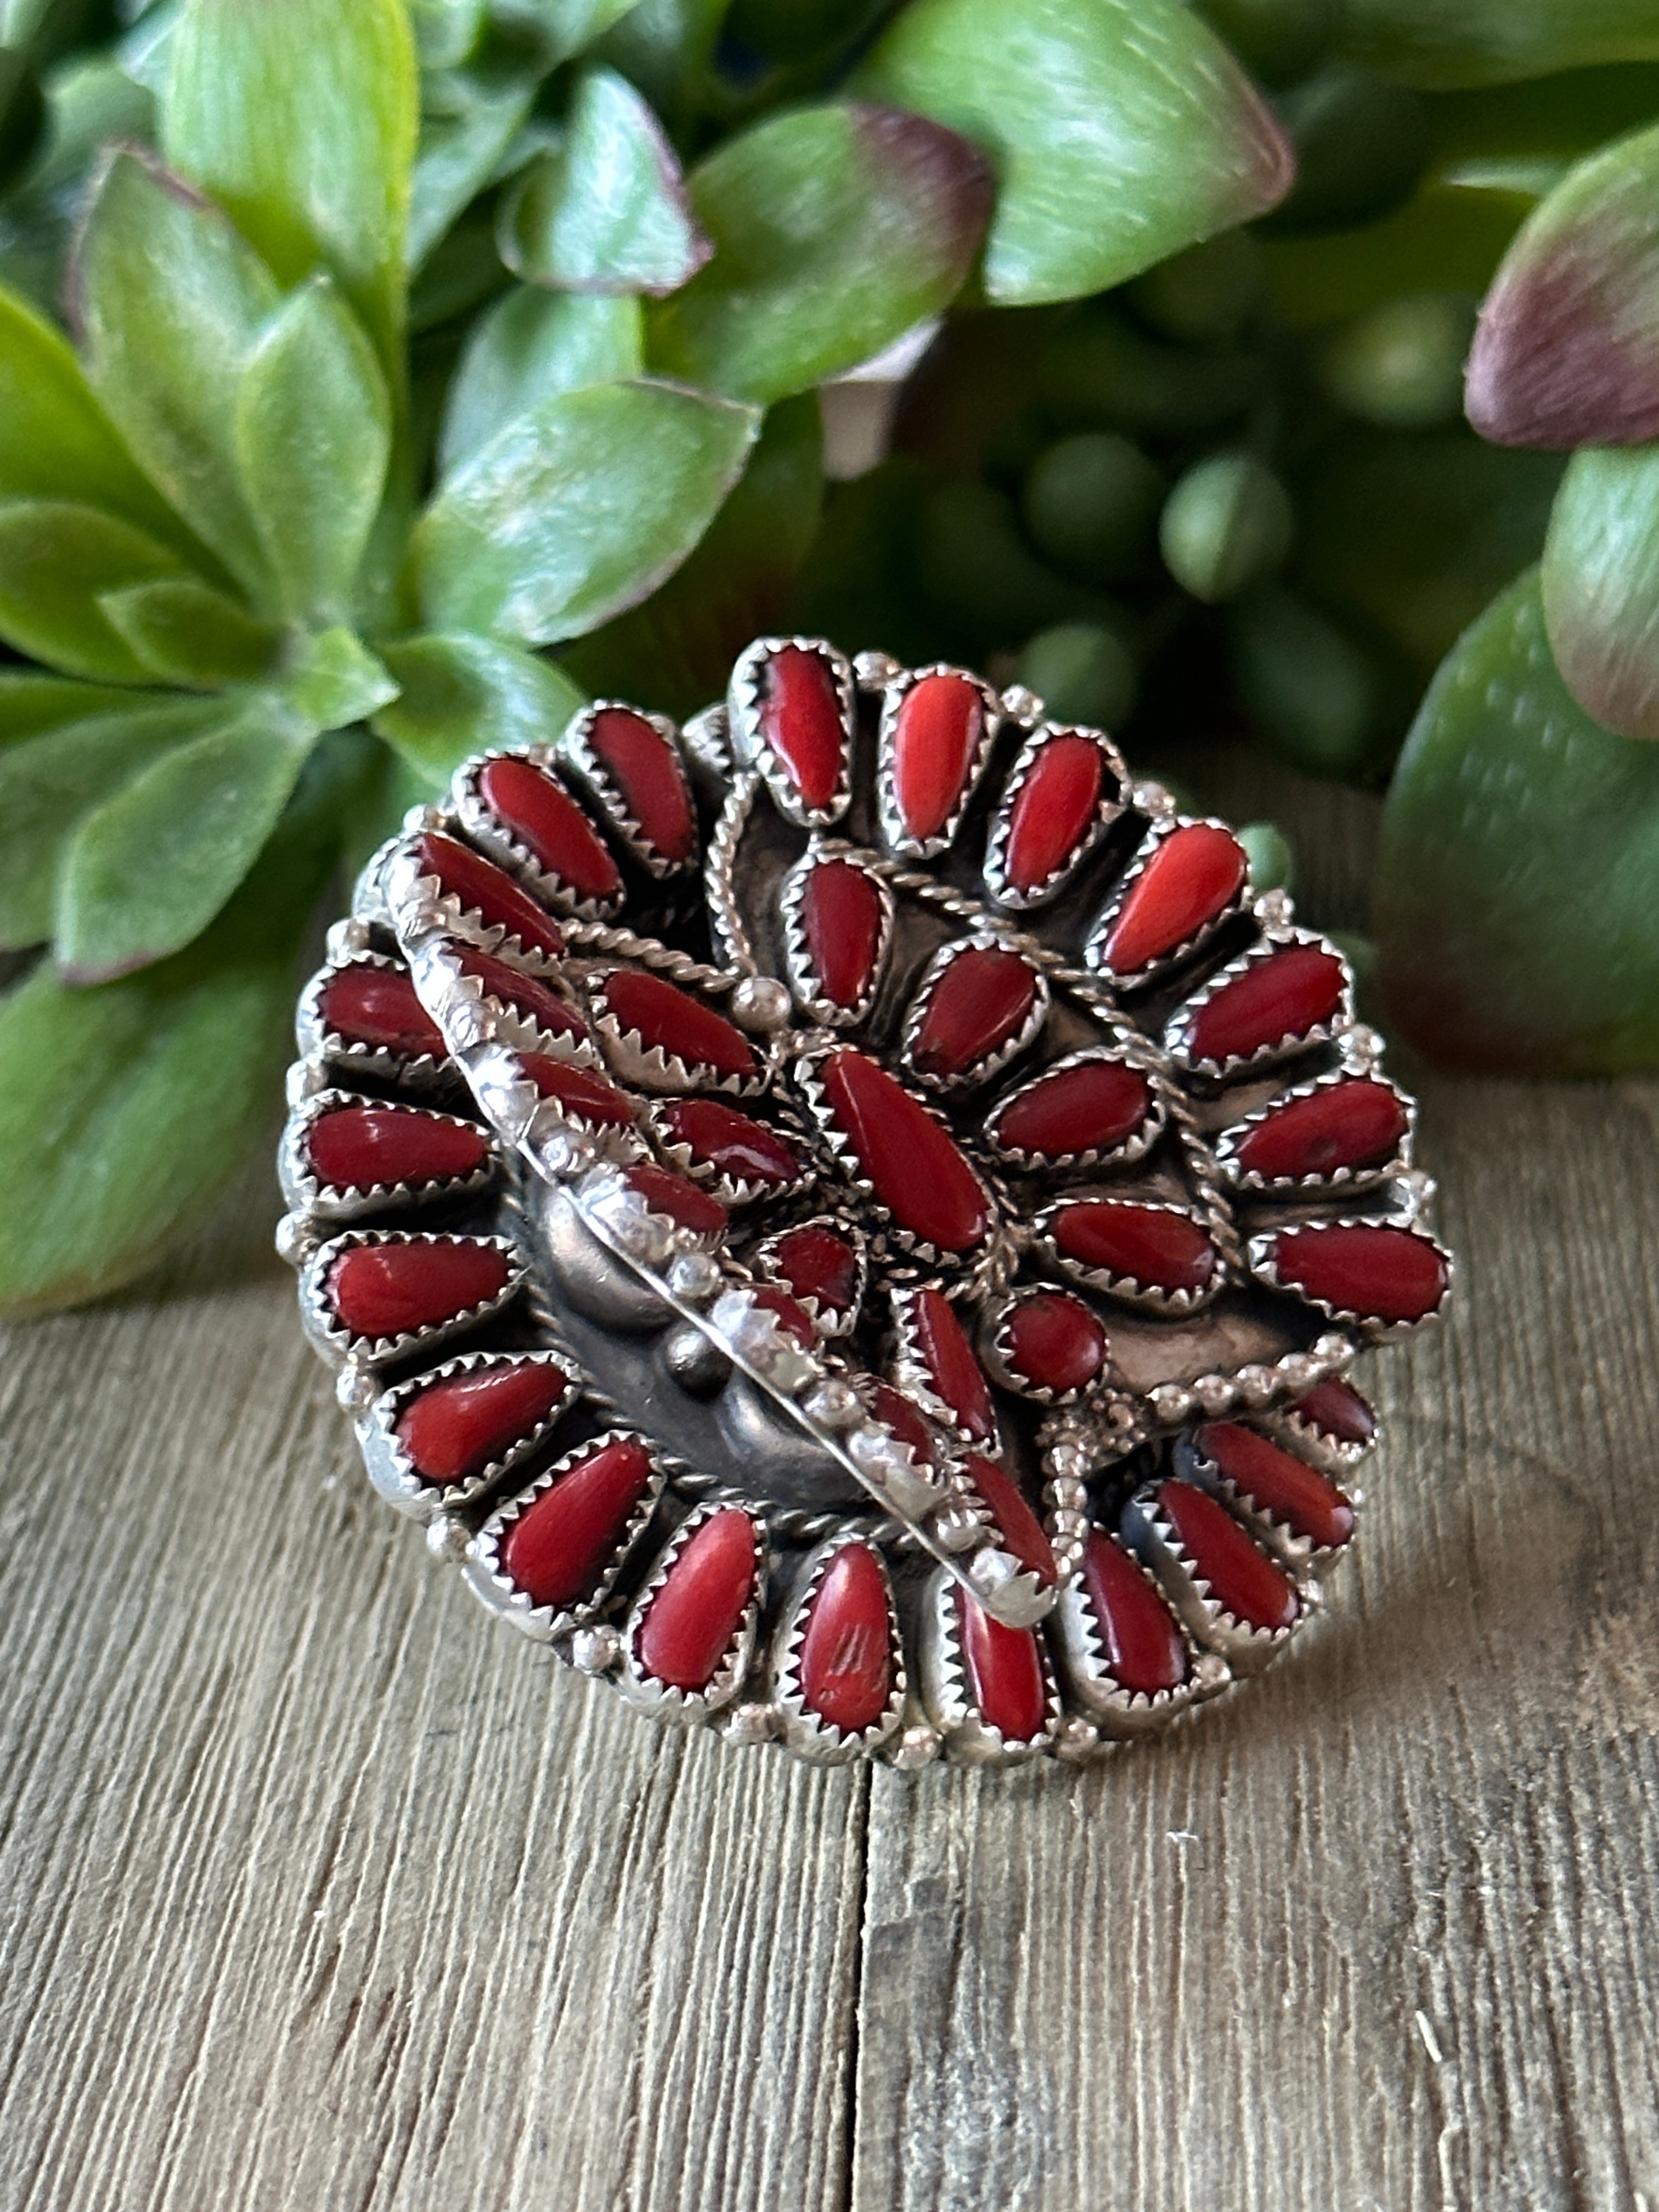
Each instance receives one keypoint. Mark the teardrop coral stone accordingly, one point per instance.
(952, 1368)
(1386, 1273)
(1090, 1108)
(918, 1173)
(456, 1428)
(676, 1022)
(648, 773)
(841, 921)
(1306, 1501)
(901, 1417)
(1187, 879)
(559, 1547)
(936, 735)
(1272, 1002)
(576, 1092)
(1004, 1672)
(359, 1147)
(1054, 1342)
(1242, 1579)
(1054, 810)
(818, 1264)
(537, 810)
(1146, 1244)
(800, 718)
(389, 1290)
(732, 1144)
(1356, 1124)
(689, 1625)
(983, 998)
(1143, 1647)
(527, 995)
(845, 1667)
(1336, 1409)
(482, 888)
(378, 1007)
(1023, 1533)
(680, 1200)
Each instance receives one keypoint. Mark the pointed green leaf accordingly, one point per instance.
(31, 702)
(146, 872)
(835, 229)
(172, 302)
(314, 434)
(1120, 130)
(462, 143)
(186, 633)
(1442, 43)
(606, 210)
(446, 31)
(55, 441)
(577, 510)
(333, 679)
(561, 27)
(1515, 906)
(90, 99)
(1601, 583)
(1567, 350)
(676, 650)
(466, 695)
(527, 347)
(50, 783)
(56, 562)
(300, 121)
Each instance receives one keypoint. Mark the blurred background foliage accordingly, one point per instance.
(376, 383)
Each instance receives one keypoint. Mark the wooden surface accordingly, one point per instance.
(318, 1892)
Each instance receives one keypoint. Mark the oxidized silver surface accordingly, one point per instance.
(665, 1319)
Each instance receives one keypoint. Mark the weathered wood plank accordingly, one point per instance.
(1380, 1935)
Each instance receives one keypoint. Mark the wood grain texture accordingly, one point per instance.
(319, 1890)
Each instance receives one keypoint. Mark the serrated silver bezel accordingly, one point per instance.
(470, 1013)
(731, 1190)
(831, 1322)
(970, 1738)
(893, 694)
(655, 1070)
(389, 1466)
(1135, 1147)
(1246, 1648)
(746, 704)
(1177, 1035)
(804, 977)
(653, 1696)
(484, 1569)
(913, 1377)
(1196, 1466)
(575, 747)
(1108, 808)
(1230, 1140)
(804, 1731)
(979, 1071)
(337, 1344)
(1128, 1290)
(1259, 1258)
(486, 830)
(317, 1041)
(1159, 832)
(421, 907)
(304, 1189)
(1118, 1711)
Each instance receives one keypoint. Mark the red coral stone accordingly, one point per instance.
(649, 774)
(955, 1373)
(1022, 1532)
(560, 1546)
(1244, 1581)
(482, 887)
(542, 814)
(1004, 1672)
(1336, 1409)
(1356, 1124)
(1054, 1341)
(800, 720)
(379, 1006)
(681, 1201)
(1086, 1108)
(936, 734)
(790, 1317)
(586, 1096)
(1308, 1502)
(916, 1170)
(842, 921)
(456, 1428)
(845, 1666)
(1187, 879)
(1143, 1649)
(1271, 1002)
(358, 1147)
(1159, 1249)
(1370, 1268)
(732, 1144)
(901, 1417)
(388, 1289)
(524, 994)
(818, 1264)
(1053, 810)
(980, 1000)
(689, 1624)
(676, 1022)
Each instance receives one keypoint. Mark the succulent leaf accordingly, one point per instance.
(1438, 44)
(577, 510)
(31, 702)
(463, 694)
(1566, 352)
(148, 869)
(606, 209)
(1600, 585)
(57, 561)
(461, 149)
(525, 347)
(332, 680)
(563, 28)
(186, 633)
(1515, 907)
(1120, 130)
(836, 229)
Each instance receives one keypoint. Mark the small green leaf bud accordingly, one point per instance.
(1227, 524)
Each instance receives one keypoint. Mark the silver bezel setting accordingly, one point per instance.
(804, 978)
(304, 1189)
(338, 1343)
(1125, 1154)
(805, 1731)
(1129, 1289)
(1118, 1711)
(1231, 1139)
(1246, 1648)
(1160, 831)
(488, 1580)
(390, 1467)
(893, 695)
(575, 747)
(663, 1698)
(745, 707)
(1260, 1254)
(1108, 808)
(1178, 1030)
(994, 1062)
(949, 1696)
(497, 842)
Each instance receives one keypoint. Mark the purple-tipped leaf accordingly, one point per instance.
(1602, 586)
